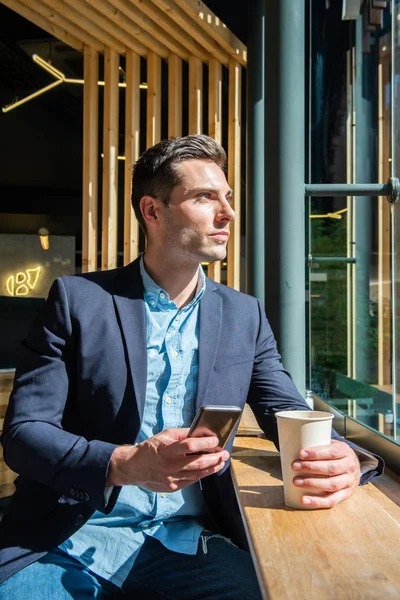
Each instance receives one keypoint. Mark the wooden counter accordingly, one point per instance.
(349, 552)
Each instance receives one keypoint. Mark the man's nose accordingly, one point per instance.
(225, 212)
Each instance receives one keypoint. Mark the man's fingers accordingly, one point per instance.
(325, 484)
(200, 474)
(189, 478)
(205, 461)
(334, 450)
(194, 445)
(197, 475)
(328, 500)
(177, 443)
(327, 468)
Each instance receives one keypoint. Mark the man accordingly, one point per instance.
(113, 497)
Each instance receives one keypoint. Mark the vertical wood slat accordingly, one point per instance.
(110, 160)
(132, 150)
(90, 160)
(215, 129)
(384, 270)
(195, 95)
(215, 100)
(174, 96)
(153, 125)
(234, 174)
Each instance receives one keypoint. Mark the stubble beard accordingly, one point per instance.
(186, 244)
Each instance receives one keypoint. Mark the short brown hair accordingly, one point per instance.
(155, 173)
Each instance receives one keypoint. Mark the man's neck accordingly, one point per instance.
(179, 281)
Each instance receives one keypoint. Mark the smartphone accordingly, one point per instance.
(218, 420)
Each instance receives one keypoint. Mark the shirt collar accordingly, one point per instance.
(157, 296)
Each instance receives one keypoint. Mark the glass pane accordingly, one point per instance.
(350, 243)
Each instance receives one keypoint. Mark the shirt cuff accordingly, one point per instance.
(370, 466)
(107, 494)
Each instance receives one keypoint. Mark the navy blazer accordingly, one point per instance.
(80, 389)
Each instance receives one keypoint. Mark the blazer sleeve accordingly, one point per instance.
(272, 389)
(36, 444)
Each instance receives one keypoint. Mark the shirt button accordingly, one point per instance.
(174, 353)
(152, 302)
(168, 400)
(178, 318)
(162, 295)
(163, 494)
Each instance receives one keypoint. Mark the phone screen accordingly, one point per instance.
(215, 420)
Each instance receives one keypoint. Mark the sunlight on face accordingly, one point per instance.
(195, 225)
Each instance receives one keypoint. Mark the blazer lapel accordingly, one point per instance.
(210, 329)
(129, 303)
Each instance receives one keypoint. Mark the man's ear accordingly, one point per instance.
(149, 209)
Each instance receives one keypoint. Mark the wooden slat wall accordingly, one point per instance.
(110, 160)
(177, 40)
(215, 129)
(200, 14)
(90, 160)
(153, 126)
(202, 38)
(215, 100)
(195, 95)
(132, 150)
(174, 96)
(64, 23)
(173, 30)
(104, 16)
(143, 19)
(234, 171)
(91, 22)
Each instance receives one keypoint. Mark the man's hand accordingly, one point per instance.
(166, 462)
(333, 471)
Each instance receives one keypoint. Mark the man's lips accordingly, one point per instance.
(220, 235)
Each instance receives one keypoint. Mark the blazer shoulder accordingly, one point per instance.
(234, 295)
(106, 280)
(87, 285)
(96, 277)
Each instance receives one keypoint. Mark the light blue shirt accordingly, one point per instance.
(109, 544)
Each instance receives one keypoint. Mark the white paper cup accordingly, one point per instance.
(298, 429)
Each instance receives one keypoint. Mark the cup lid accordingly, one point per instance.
(308, 415)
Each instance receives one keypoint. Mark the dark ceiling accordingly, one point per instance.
(233, 13)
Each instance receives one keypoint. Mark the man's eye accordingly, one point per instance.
(204, 196)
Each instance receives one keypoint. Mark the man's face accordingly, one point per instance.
(195, 225)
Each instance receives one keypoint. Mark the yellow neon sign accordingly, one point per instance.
(330, 215)
(22, 282)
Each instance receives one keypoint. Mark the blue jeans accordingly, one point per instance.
(219, 571)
